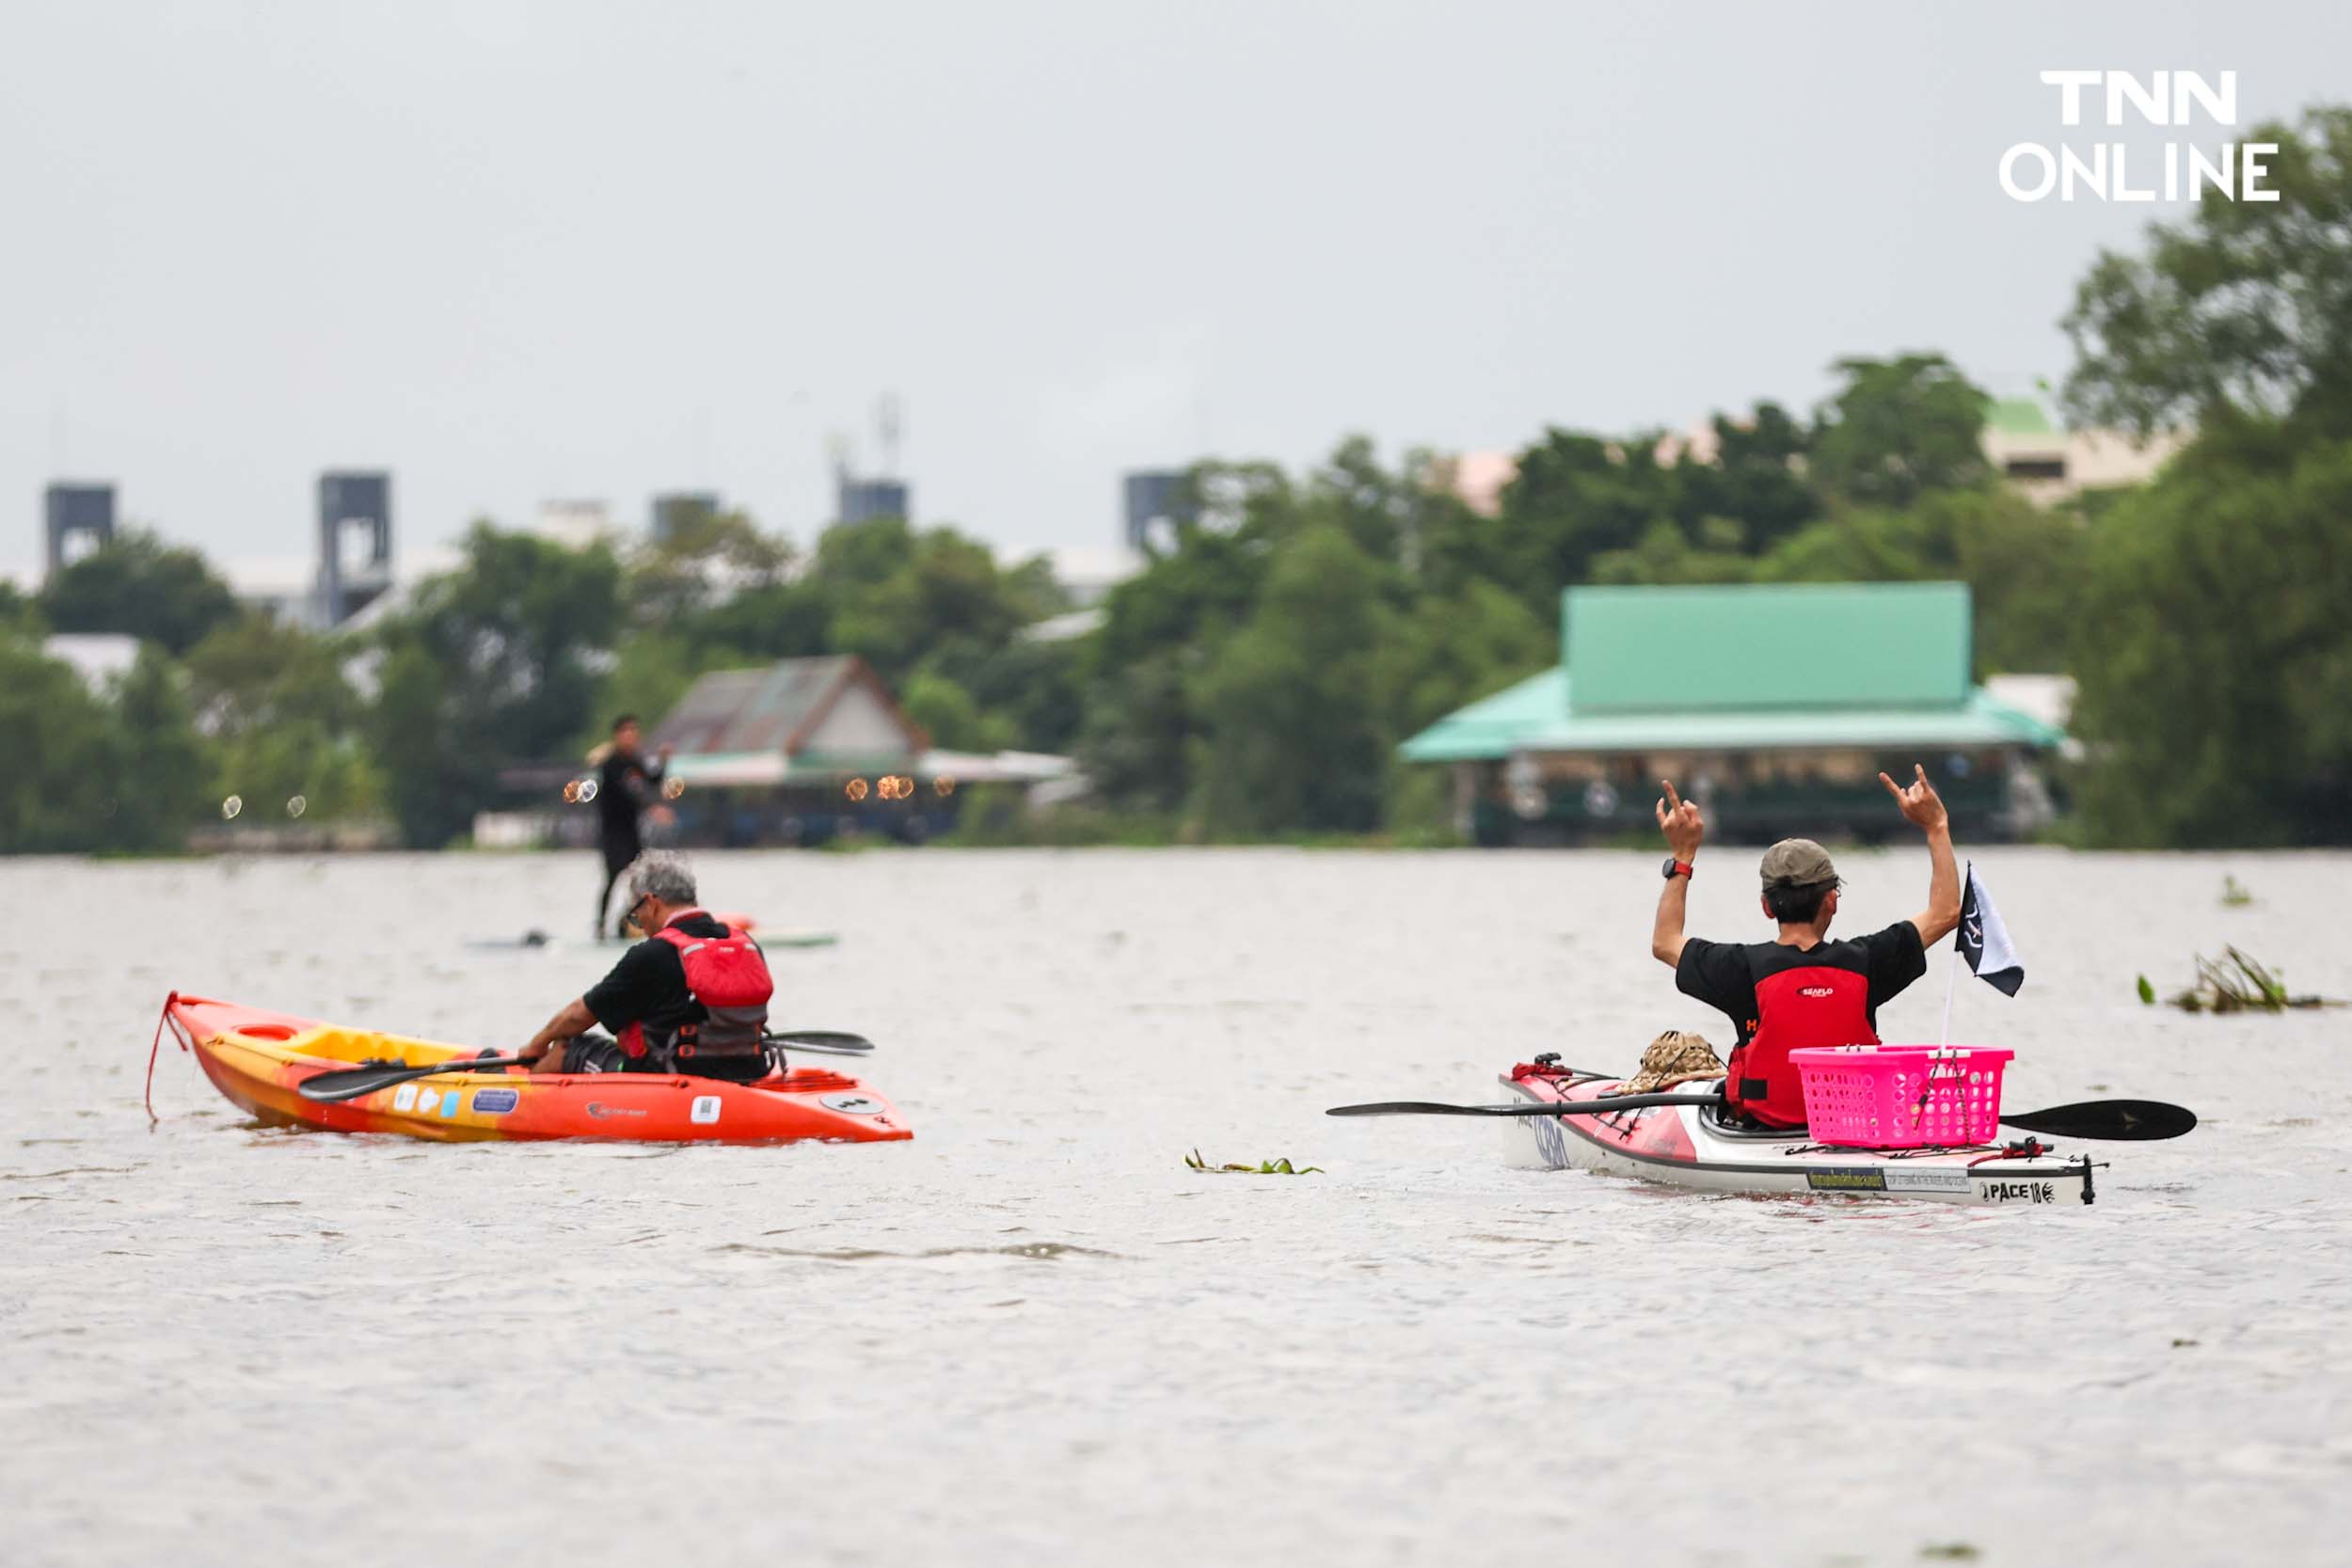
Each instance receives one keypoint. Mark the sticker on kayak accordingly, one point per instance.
(405, 1097)
(429, 1098)
(2021, 1192)
(1846, 1179)
(494, 1101)
(852, 1105)
(449, 1104)
(1927, 1181)
(703, 1111)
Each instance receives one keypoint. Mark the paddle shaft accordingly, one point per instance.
(351, 1082)
(1601, 1106)
(2111, 1120)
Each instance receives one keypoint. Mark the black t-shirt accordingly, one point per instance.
(625, 786)
(648, 984)
(1722, 975)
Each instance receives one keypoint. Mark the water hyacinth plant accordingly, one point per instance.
(1264, 1167)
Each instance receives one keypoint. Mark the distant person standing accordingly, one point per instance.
(627, 785)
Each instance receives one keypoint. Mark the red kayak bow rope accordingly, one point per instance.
(185, 1044)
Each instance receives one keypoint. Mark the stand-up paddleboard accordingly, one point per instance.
(769, 938)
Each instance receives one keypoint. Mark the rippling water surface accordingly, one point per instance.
(1033, 1335)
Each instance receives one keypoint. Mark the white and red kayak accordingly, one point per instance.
(1693, 1145)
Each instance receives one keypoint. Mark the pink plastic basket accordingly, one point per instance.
(1902, 1096)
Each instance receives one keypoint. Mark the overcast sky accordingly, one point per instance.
(516, 251)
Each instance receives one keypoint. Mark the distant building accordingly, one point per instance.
(681, 510)
(805, 750)
(354, 543)
(2049, 462)
(1476, 479)
(99, 657)
(1157, 504)
(858, 500)
(1086, 574)
(574, 525)
(1669, 682)
(284, 588)
(79, 519)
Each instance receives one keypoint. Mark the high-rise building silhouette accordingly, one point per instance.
(354, 543)
(79, 519)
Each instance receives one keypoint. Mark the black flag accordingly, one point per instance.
(1984, 940)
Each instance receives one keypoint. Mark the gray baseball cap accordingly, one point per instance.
(1797, 862)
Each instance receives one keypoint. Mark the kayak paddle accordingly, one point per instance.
(829, 1042)
(2118, 1121)
(351, 1082)
(1532, 1108)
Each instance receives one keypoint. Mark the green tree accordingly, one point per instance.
(711, 557)
(19, 616)
(950, 714)
(63, 794)
(1161, 629)
(283, 719)
(2241, 314)
(123, 771)
(2216, 661)
(1900, 428)
(1036, 689)
(2028, 568)
(1756, 481)
(166, 778)
(140, 587)
(1448, 650)
(1576, 498)
(1297, 736)
(495, 663)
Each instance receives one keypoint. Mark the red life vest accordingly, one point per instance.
(1795, 1009)
(728, 976)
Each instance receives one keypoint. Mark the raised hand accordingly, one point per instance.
(1678, 820)
(1922, 806)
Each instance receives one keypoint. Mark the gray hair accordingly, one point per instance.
(662, 874)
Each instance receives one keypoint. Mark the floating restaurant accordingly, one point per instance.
(1775, 706)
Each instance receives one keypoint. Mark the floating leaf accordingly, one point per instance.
(2147, 991)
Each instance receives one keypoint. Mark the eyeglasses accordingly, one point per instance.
(634, 909)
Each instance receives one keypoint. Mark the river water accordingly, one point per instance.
(1032, 1336)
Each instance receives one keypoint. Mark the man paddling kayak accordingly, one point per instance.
(690, 998)
(1799, 989)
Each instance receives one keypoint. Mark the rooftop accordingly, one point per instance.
(1679, 669)
(2020, 416)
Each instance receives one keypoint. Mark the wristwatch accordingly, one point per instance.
(1674, 868)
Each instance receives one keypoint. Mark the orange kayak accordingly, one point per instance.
(259, 1059)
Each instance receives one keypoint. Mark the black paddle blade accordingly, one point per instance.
(332, 1089)
(2118, 1121)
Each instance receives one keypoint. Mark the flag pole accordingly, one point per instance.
(1950, 987)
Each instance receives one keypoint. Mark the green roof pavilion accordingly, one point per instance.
(1786, 696)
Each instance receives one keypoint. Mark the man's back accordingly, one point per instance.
(1781, 996)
